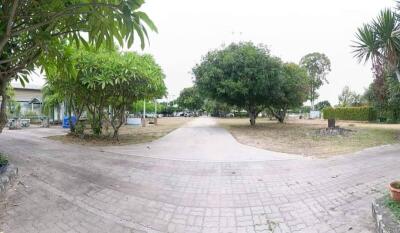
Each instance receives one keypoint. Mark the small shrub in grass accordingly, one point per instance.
(351, 113)
(393, 206)
(3, 160)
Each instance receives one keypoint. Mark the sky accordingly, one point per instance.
(188, 29)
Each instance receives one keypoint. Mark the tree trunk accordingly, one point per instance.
(253, 116)
(3, 113)
(115, 135)
(280, 114)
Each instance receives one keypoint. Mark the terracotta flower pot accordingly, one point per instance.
(395, 190)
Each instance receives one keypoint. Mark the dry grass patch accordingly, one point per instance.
(129, 134)
(300, 137)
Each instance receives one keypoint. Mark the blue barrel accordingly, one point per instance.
(66, 121)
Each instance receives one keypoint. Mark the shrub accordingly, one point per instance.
(351, 113)
(3, 160)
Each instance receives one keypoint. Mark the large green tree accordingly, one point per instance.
(105, 84)
(242, 75)
(190, 99)
(318, 66)
(293, 86)
(33, 29)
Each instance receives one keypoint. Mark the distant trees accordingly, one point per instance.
(190, 99)
(249, 77)
(318, 66)
(105, 84)
(321, 105)
(349, 98)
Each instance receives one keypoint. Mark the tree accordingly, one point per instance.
(190, 99)
(349, 98)
(379, 42)
(34, 31)
(323, 104)
(217, 109)
(242, 75)
(385, 98)
(318, 66)
(293, 86)
(106, 83)
(132, 78)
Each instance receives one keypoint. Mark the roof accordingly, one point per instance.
(28, 86)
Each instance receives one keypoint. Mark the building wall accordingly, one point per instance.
(24, 96)
(27, 94)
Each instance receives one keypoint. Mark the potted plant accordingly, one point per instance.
(3, 163)
(395, 190)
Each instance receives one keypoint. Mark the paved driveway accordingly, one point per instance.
(196, 179)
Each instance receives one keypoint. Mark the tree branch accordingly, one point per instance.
(10, 23)
(67, 11)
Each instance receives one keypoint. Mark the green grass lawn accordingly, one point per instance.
(301, 137)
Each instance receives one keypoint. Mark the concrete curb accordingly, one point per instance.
(7, 178)
(383, 218)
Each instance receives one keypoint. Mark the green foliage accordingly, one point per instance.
(50, 23)
(349, 98)
(351, 113)
(217, 109)
(105, 83)
(293, 90)
(33, 33)
(384, 96)
(379, 42)
(249, 77)
(3, 160)
(190, 99)
(13, 107)
(322, 105)
(393, 206)
(137, 107)
(318, 66)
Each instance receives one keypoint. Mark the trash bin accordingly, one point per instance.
(66, 121)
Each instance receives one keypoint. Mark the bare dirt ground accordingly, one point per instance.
(301, 137)
(129, 134)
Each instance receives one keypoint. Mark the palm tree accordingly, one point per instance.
(379, 42)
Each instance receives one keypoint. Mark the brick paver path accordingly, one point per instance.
(191, 185)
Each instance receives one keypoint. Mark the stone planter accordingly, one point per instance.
(7, 177)
(385, 221)
(3, 168)
(395, 190)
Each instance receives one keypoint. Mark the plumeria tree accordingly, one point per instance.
(105, 84)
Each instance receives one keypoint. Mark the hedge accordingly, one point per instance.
(351, 113)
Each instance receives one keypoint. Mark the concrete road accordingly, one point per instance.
(196, 179)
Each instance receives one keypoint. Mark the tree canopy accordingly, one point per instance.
(106, 81)
(349, 98)
(190, 99)
(318, 66)
(249, 77)
(293, 86)
(34, 31)
(323, 104)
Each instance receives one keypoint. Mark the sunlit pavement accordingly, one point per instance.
(196, 179)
